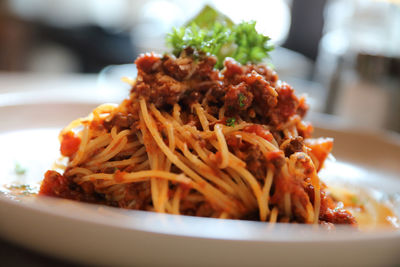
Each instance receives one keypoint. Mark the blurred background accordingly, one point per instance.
(345, 54)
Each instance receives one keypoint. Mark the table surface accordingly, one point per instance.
(15, 255)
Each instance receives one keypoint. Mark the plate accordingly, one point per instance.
(100, 235)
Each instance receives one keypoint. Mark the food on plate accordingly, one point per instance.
(208, 130)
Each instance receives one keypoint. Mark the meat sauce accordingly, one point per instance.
(251, 93)
(69, 144)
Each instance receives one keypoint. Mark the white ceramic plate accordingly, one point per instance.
(109, 236)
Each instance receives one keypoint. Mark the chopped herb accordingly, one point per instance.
(241, 99)
(230, 122)
(213, 33)
(19, 170)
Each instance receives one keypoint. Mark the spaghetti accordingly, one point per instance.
(194, 140)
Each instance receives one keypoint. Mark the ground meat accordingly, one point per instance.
(53, 184)
(120, 120)
(136, 196)
(154, 84)
(204, 210)
(270, 75)
(238, 97)
(296, 144)
(57, 185)
(272, 104)
(286, 107)
(277, 158)
(301, 191)
(265, 95)
(179, 69)
(304, 129)
(338, 216)
(328, 211)
(205, 69)
(259, 130)
(250, 92)
(256, 162)
(232, 69)
(290, 185)
(215, 95)
(234, 72)
(201, 209)
(148, 63)
(303, 107)
(168, 80)
(159, 89)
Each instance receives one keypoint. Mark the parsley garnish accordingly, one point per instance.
(19, 170)
(241, 99)
(204, 40)
(213, 33)
(230, 122)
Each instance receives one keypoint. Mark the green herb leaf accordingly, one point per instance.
(213, 33)
(230, 122)
(207, 41)
(252, 46)
(208, 16)
(241, 98)
(19, 170)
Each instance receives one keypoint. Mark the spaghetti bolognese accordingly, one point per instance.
(194, 140)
